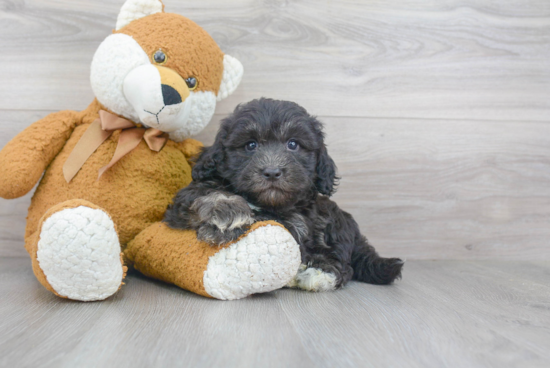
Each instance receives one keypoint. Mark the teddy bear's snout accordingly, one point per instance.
(173, 87)
(159, 96)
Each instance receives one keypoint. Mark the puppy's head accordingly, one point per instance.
(270, 152)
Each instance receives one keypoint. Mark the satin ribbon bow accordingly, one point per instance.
(99, 131)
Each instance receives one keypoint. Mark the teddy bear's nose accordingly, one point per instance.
(170, 95)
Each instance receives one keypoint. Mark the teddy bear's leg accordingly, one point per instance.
(265, 258)
(75, 252)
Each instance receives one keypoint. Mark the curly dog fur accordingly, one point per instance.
(269, 162)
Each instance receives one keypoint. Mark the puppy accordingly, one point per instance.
(269, 162)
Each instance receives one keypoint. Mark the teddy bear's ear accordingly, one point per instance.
(135, 9)
(232, 75)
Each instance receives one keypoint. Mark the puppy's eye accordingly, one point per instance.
(159, 57)
(292, 145)
(251, 146)
(192, 83)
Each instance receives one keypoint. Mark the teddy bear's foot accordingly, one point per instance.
(265, 258)
(78, 252)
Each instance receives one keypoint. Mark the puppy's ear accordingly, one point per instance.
(206, 165)
(326, 173)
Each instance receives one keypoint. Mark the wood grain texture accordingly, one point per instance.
(435, 189)
(445, 189)
(419, 189)
(437, 114)
(463, 59)
(442, 314)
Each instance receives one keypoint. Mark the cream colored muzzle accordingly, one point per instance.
(159, 96)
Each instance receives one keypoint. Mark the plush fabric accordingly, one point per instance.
(71, 259)
(232, 75)
(135, 191)
(24, 158)
(132, 10)
(181, 38)
(81, 230)
(31, 242)
(177, 257)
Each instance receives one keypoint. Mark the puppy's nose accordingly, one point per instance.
(272, 173)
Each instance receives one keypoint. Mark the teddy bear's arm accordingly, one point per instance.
(25, 157)
(190, 148)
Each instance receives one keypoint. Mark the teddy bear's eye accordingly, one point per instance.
(192, 83)
(160, 57)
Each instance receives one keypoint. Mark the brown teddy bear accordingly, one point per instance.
(108, 173)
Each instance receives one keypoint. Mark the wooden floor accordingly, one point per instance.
(438, 116)
(442, 314)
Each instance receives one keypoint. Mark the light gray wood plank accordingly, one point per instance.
(436, 189)
(419, 189)
(442, 314)
(463, 59)
(13, 216)
(446, 189)
(146, 324)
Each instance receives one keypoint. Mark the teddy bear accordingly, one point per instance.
(107, 174)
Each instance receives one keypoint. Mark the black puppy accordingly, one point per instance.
(269, 162)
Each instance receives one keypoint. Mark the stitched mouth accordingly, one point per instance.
(156, 114)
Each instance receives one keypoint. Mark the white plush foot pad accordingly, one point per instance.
(79, 253)
(265, 260)
(313, 279)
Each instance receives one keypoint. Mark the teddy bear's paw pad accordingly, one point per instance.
(264, 260)
(79, 252)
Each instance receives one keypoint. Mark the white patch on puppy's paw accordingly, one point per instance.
(79, 253)
(313, 279)
(294, 282)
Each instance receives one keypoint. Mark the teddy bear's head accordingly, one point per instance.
(162, 70)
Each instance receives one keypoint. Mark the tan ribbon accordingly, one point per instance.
(99, 131)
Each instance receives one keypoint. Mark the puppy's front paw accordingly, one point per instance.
(214, 236)
(222, 218)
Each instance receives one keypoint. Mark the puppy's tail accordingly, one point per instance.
(369, 267)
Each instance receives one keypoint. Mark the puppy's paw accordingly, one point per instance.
(313, 279)
(222, 218)
(213, 235)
